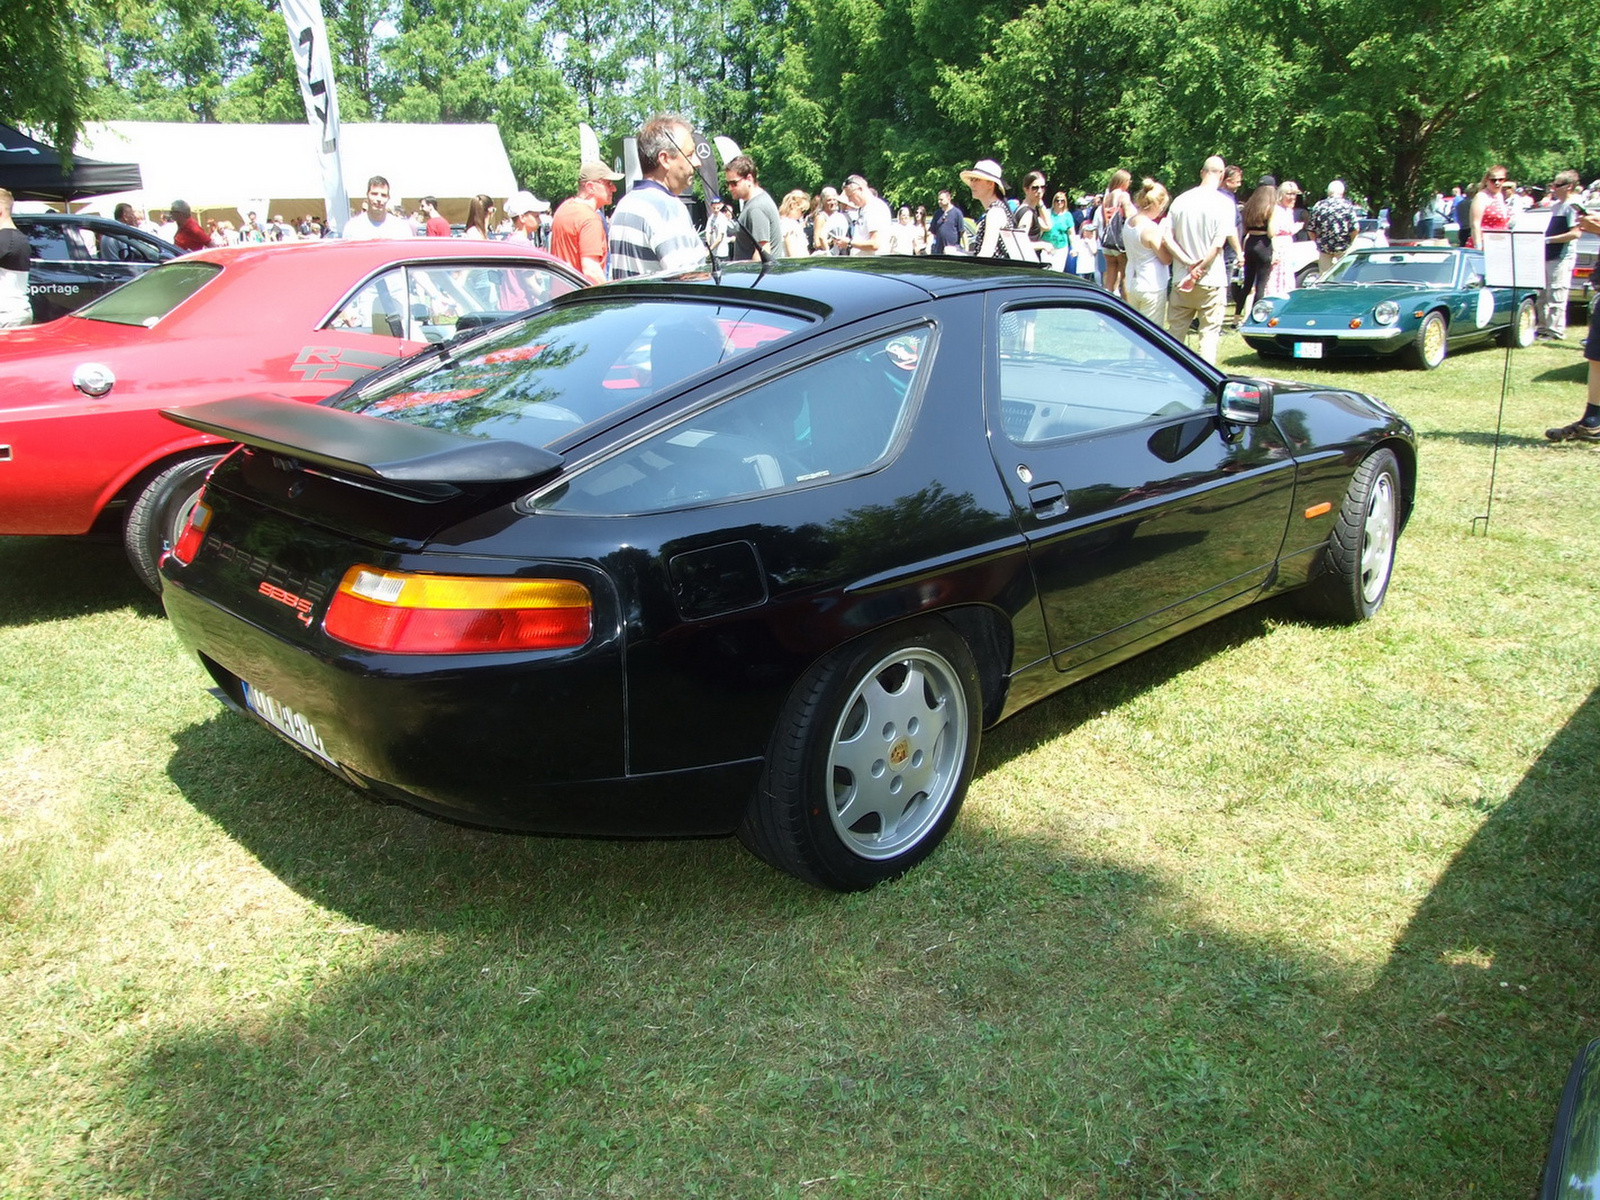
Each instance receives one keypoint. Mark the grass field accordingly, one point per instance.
(1278, 910)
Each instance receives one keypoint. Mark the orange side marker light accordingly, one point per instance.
(1317, 510)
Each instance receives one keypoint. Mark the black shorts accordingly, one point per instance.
(1591, 344)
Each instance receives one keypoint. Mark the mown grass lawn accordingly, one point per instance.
(1278, 910)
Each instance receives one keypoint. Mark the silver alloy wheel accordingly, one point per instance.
(1377, 538)
(896, 757)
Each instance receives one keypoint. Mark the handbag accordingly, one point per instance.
(1112, 237)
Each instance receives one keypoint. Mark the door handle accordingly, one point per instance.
(1047, 499)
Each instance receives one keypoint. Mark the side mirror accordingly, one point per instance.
(1245, 402)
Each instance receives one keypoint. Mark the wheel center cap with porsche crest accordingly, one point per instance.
(898, 753)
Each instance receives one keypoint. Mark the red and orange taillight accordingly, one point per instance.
(194, 532)
(403, 612)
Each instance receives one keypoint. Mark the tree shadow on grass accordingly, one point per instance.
(48, 579)
(570, 1018)
(613, 1019)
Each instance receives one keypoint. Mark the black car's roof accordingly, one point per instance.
(850, 287)
(82, 221)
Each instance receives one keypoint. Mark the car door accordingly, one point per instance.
(1140, 509)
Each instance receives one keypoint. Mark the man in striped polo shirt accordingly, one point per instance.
(650, 227)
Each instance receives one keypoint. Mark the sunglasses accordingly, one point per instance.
(1497, 179)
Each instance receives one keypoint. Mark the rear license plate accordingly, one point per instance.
(1308, 349)
(286, 721)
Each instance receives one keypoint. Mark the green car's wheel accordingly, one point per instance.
(1433, 342)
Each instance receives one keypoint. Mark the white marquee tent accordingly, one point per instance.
(222, 170)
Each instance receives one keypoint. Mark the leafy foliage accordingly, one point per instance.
(1395, 98)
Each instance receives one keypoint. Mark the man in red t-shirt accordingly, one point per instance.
(437, 226)
(189, 237)
(578, 232)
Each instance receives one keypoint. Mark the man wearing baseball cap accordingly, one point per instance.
(578, 232)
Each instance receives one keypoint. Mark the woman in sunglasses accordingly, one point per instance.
(1491, 207)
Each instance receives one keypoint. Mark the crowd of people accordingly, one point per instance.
(1179, 260)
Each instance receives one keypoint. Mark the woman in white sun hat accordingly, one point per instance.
(988, 188)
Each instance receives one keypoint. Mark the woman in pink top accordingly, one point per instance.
(1491, 207)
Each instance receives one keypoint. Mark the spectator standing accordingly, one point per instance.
(1058, 237)
(16, 259)
(1560, 257)
(1257, 252)
(903, 233)
(831, 228)
(1032, 217)
(922, 239)
(650, 227)
(1333, 225)
(1587, 427)
(869, 230)
(578, 231)
(1283, 226)
(435, 225)
(760, 228)
(187, 234)
(988, 189)
(792, 224)
(118, 249)
(1202, 223)
(948, 227)
(479, 214)
(523, 209)
(376, 223)
(1111, 217)
(1491, 207)
(1149, 273)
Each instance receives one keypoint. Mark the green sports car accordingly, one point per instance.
(1415, 300)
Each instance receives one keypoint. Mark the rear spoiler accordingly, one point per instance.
(366, 446)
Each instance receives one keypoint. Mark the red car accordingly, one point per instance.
(82, 447)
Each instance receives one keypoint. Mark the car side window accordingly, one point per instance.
(449, 297)
(49, 242)
(1074, 370)
(831, 418)
(378, 307)
(432, 303)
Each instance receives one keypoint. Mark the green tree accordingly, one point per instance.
(51, 68)
(469, 61)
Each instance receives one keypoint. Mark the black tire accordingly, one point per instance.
(1353, 574)
(157, 514)
(870, 760)
(1524, 327)
(1432, 342)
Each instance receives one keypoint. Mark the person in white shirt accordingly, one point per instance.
(1201, 222)
(376, 223)
(869, 224)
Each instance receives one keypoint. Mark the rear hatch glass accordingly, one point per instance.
(570, 366)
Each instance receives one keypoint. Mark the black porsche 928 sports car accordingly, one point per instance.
(761, 552)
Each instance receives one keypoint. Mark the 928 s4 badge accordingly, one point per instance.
(300, 604)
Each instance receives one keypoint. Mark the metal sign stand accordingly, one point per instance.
(1513, 259)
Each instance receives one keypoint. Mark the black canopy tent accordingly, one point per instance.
(31, 170)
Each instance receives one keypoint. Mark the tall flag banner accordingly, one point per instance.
(308, 41)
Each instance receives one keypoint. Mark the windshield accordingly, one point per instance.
(145, 300)
(1437, 267)
(569, 366)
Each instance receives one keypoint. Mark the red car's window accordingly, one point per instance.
(430, 303)
(147, 299)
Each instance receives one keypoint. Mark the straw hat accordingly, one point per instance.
(986, 169)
